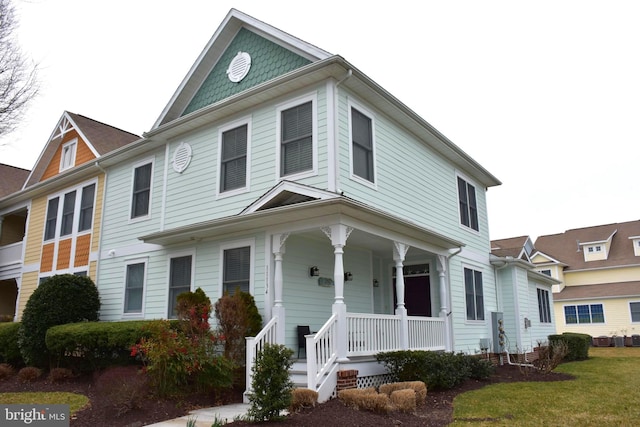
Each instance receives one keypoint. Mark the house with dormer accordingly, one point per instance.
(51, 223)
(599, 272)
(283, 170)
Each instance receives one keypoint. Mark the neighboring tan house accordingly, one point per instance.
(284, 171)
(13, 218)
(599, 271)
(60, 207)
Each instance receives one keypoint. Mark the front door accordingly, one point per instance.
(417, 294)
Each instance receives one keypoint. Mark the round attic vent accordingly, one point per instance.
(239, 67)
(181, 157)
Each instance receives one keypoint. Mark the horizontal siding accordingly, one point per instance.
(35, 231)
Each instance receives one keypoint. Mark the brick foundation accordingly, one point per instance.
(347, 379)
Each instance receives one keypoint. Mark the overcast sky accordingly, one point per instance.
(544, 94)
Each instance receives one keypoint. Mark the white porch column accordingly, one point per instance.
(399, 252)
(443, 262)
(278, 249)
(339, 234)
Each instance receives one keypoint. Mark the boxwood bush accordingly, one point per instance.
(578, 345)
(93, 345)
(60, 299)
(439, 370)
(9, 350)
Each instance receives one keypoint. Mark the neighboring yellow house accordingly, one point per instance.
(63, 196)
(599, 268)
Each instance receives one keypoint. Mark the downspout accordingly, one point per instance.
(104, 201)
(336, 151)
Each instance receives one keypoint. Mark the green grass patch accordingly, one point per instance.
(606, 391)
(75, 401)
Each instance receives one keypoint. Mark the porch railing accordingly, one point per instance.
(11, 254)
(369, 334)
(256, 344)
(322, 356)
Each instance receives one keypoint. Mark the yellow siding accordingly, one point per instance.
(29, 284)
(97, 214)
(591, 277)
(617, 318)
(35, 231)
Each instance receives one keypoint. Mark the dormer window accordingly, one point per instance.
(68, 155)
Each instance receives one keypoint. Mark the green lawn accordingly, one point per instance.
(606, 392)
(75, 401)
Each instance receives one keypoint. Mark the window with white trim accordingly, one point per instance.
(71, 208)
(634, 309)
(474, 294)
(52, 219)
(86, 207)
(544, 308)
(362, 145)
(296, 125)
(134, 287)
(180, 274)
(546, 272)
(68, 155)
(68, 209)
(141, 194)
(234, 158)
(236, 275)
(468, 204)
(584, 313)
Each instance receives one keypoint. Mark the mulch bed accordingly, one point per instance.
(436, 412)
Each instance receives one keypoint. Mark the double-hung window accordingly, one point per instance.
(543, 306)
(134, 287)
(236, 270)
(52, 219)
(468, 205)
(296, 139)
(68, 209)
(634, 308)
(86, 207)
(179, 280)
(585, 313)
(474, 294)
(141, 191)
(362, 145)
(233, 159)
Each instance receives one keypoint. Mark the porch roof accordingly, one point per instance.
(307, 216)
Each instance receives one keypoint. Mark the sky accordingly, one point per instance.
(544, 94)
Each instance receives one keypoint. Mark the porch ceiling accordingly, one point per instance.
(372, 228)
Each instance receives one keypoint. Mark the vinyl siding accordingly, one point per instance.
(617, 318)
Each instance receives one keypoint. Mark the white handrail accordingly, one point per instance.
(256, 344)
(321, 352)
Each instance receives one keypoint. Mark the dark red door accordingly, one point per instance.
(417, 295)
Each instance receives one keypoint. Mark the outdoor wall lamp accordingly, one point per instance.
(376, 283)
(348, 276)
(314, 271)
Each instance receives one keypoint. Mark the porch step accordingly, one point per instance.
(298, 374)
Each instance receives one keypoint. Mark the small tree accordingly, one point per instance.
(238, 317)
(271, 384)
(60, 299)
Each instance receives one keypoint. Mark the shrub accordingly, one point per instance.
(60, 299)
(238, 317)
(438, 370)
(550, 356)
(29, 373)
(403, 400)
(6, 371)
(479, 368)
(271, 385)
(57, 375)
(9, 350)
(303, 398)
(94, 345)
(122, 388)
(578, 345)
(418, 387)
(182, 356)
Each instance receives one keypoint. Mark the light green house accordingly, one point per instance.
(284, 170)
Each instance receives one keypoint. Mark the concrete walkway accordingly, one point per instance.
(207, 416)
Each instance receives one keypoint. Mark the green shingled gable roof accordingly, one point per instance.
(268, 60)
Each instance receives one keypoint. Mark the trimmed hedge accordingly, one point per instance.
(9, 350)
(438, 370)
(92, 345)
(578, 345)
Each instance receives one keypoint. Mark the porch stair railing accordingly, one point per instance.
(256, 344)
(321, 359)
